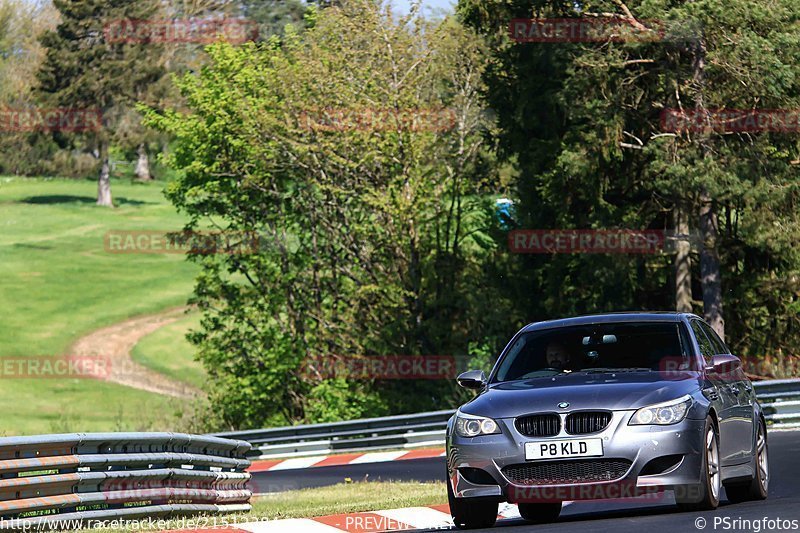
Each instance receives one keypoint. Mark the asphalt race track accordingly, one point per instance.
(604, 516)
(409, 470)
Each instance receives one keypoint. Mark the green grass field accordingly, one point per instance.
(167, 351)
(57, 283)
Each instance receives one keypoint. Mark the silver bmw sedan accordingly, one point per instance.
(623, 405)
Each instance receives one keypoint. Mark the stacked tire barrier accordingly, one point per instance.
(52, 479)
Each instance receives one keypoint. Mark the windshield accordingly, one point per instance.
(594, 348)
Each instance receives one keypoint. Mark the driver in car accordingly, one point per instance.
(557, 356)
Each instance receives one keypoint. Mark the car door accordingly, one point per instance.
(741, 388)
(722, 397)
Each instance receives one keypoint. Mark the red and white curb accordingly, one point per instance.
(342, 459)
(410, 518)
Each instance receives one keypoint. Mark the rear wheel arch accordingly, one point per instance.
(759, 420)
(714, 419)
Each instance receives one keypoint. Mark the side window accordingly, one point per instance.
(706, 349)
(719, 346)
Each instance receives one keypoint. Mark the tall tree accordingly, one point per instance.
(21, 54)
(583, 122)
(272, 16)
(84, 69)
(356, 149)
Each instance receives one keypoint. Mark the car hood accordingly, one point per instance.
(623, 390)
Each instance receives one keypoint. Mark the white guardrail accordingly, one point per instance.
(779, 398)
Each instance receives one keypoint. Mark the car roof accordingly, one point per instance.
(611, 318)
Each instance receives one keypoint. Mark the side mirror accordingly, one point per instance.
(724, 364)
(472, 379)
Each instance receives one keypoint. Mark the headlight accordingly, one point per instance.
(662, 414)
(472, 426)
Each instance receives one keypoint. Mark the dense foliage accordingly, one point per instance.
(583, 123)
(366, 151)
(370, 221)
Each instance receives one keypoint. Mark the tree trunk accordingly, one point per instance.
(104, 180)
(683, 262)
(709, 256)
(143, 165)
(709, 267)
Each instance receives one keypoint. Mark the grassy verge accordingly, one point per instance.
(348, 498)
(309, 503)
(167, 351)
(57, 283)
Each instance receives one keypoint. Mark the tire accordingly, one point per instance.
(704, 497)
(758, 487)
(539, 513)
(471, 513)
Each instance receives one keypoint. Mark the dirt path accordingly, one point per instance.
(114, 344)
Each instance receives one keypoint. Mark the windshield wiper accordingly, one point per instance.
(549, 374)
(600, 370)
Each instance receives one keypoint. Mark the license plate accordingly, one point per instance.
(557, 449)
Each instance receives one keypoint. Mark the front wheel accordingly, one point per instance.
(540, 513)
(704, 497)
(471, 513)
(758, 488)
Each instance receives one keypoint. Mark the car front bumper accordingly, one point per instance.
(682, 442)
